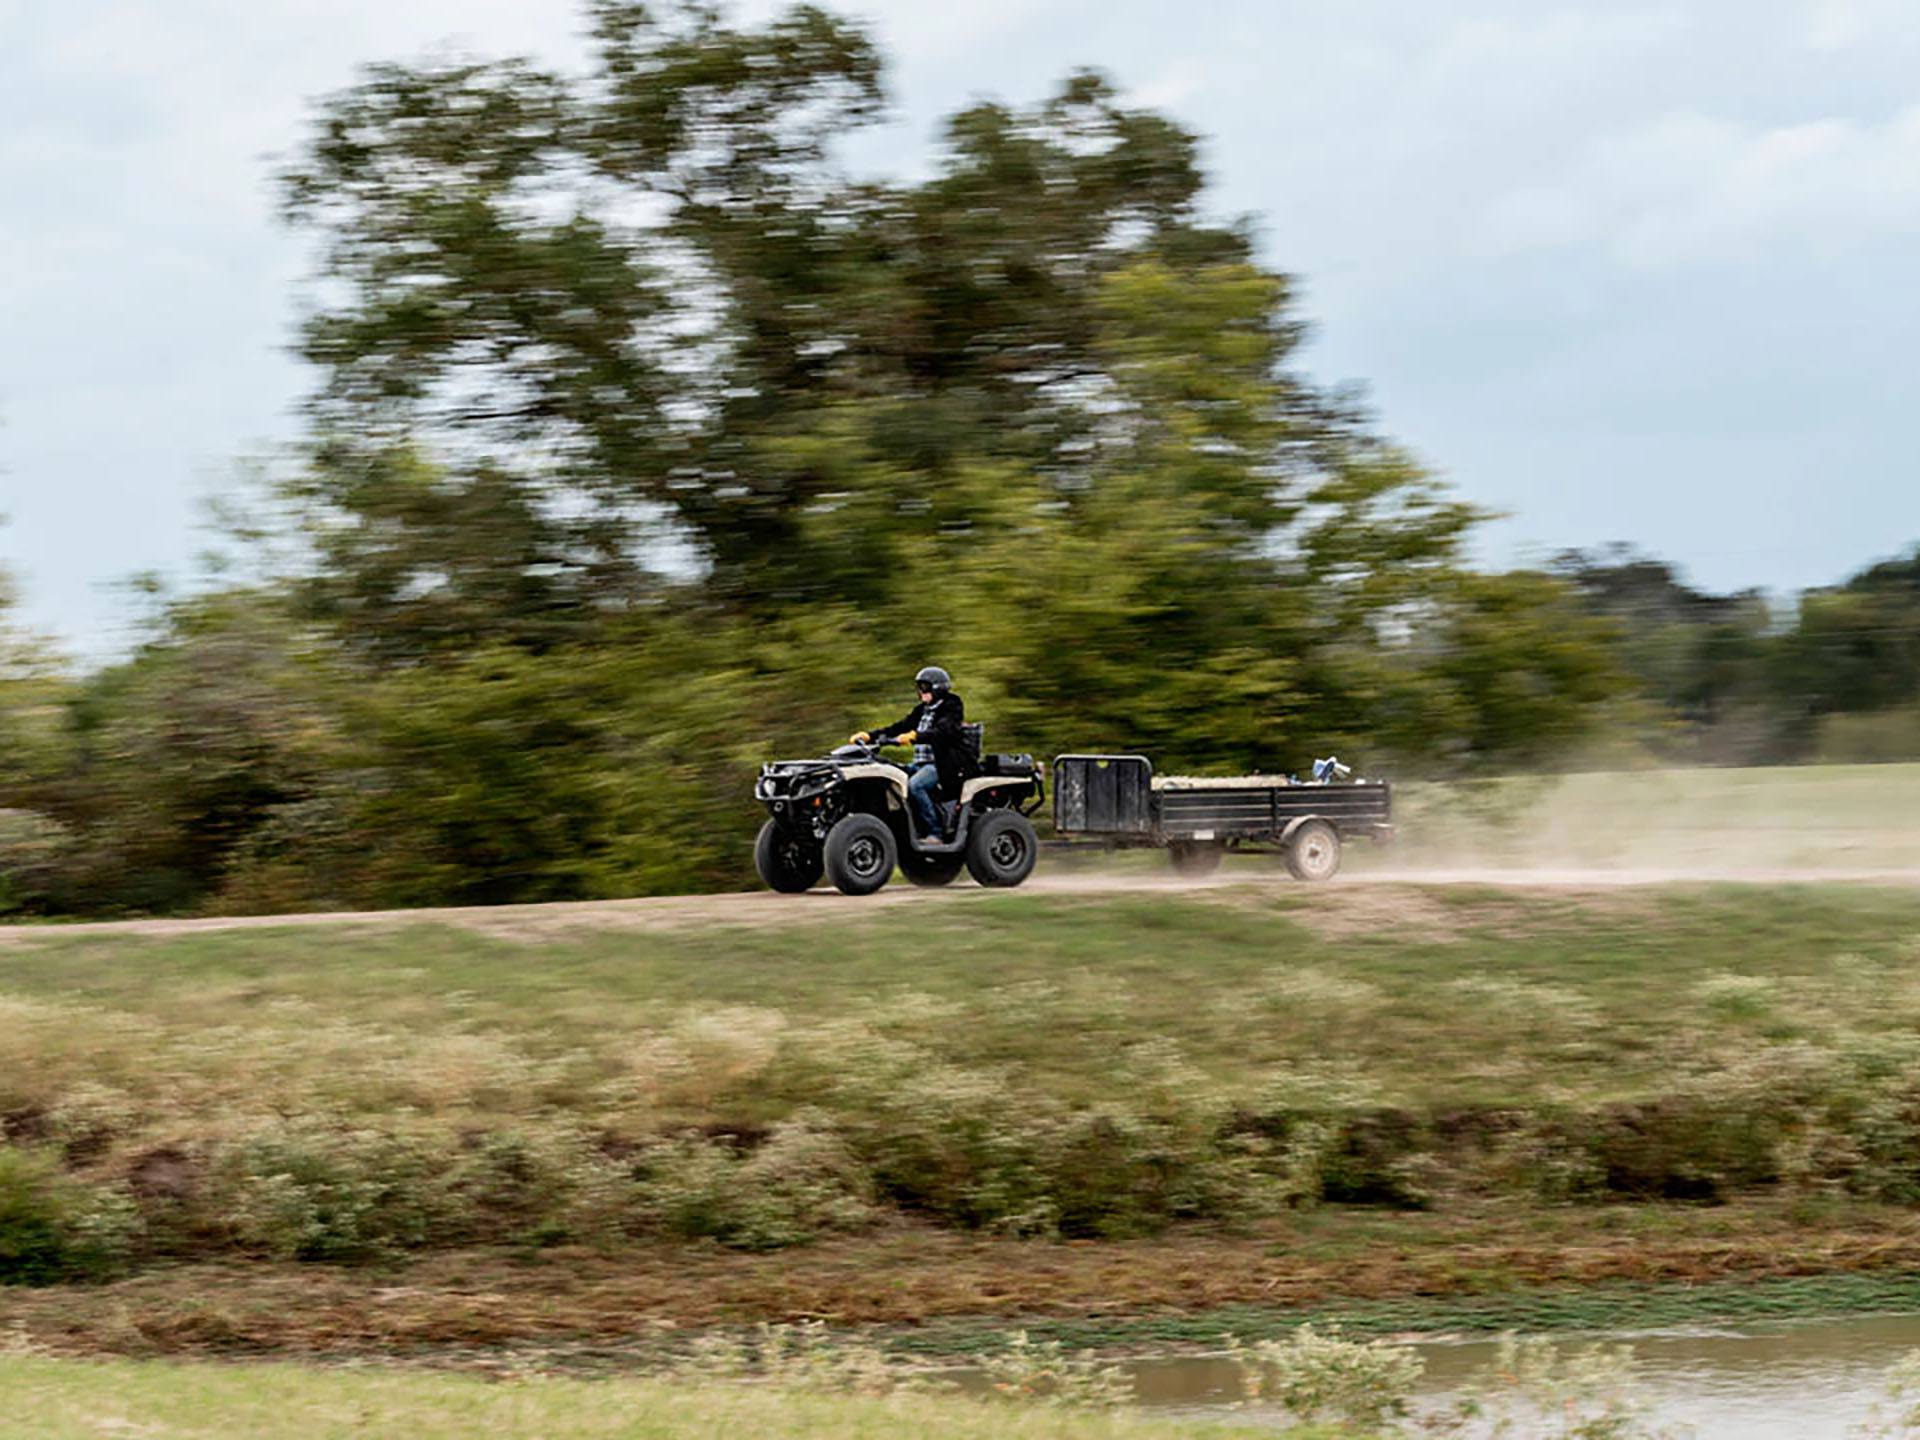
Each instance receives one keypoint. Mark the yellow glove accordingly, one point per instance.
(859, 737)
(908, 737)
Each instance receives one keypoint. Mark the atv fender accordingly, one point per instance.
(982, 783)
(891, 774)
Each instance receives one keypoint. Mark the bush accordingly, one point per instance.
(1536, 1388)
(1043, 1372)
(36, 862)
(316, 1194)
(53, 1229)
(1322, 1376)
(802, 1182)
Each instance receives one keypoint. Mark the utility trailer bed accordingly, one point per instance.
(1118, 802)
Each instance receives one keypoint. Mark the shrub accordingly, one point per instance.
(799, 1357)
(1322, 1376)
(1896, 1414)
(52, 1229)
(1536, 1389)
(1027, 1371)
(319, 1194)
(800, 1183)
(36, 861)
(963, 1145)
(539, 1190)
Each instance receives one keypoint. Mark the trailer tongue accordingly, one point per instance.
(1118, 802)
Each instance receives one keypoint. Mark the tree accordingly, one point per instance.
(647, 444)
(501, 305)
(1700, 660)
(35, 682)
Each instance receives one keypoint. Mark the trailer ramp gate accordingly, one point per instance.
(1103, 794)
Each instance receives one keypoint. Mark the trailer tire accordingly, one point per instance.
(1313, 852)
(1195, 858)
(860, 854)
(788, 865)
(1002, 849)
(930, 870)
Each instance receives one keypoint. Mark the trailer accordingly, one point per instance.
(1117, 802)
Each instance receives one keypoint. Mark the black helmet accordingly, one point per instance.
(933, 678)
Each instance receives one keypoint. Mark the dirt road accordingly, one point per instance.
(755, 908)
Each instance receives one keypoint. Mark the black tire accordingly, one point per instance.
(860, 854)
(930, 870)
(1313, 852)
(1002, 849)
(1195, 858)
(785, 861)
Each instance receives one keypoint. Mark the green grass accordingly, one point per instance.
(1439, 995)
(1087, 1065)
(42, 1399)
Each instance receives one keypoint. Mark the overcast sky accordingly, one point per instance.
(1624, 272)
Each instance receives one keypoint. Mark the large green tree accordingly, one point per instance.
(648, 294)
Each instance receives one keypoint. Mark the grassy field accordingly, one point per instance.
(407, 1134)
(44, 1399)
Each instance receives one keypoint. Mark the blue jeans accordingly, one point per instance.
(920, 793)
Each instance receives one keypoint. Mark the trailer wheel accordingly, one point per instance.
(930, 870)
(1002, 849)
(1195, 858)
(786, 862)
(1313, 851)
(860, 854)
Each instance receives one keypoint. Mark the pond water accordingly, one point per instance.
(1768, 1380)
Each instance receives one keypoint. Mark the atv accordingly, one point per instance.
(847, 816)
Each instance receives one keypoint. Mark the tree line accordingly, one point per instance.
(646, 444)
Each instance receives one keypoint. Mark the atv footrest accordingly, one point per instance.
(938, 847)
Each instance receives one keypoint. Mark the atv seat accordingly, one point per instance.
(975, 735)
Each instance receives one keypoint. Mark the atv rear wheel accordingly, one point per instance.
(860, 855)
(1313, 851)
(1002, 849)
(785, 861)
(930, 870)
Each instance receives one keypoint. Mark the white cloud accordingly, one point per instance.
(1843, 24)
(1504, 50)
(1170, 87)
(937, 29)
(1689, 189)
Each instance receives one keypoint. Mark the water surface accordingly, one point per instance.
(1765, 1380)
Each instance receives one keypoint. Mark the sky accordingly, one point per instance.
(1621, 272)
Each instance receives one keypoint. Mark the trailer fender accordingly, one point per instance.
(1295, 823)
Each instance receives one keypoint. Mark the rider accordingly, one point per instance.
(934, 722)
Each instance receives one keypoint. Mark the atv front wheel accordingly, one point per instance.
(1002, 849)
(785, 861)
(860, 855)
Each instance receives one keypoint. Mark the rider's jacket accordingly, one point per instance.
(937, 723)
